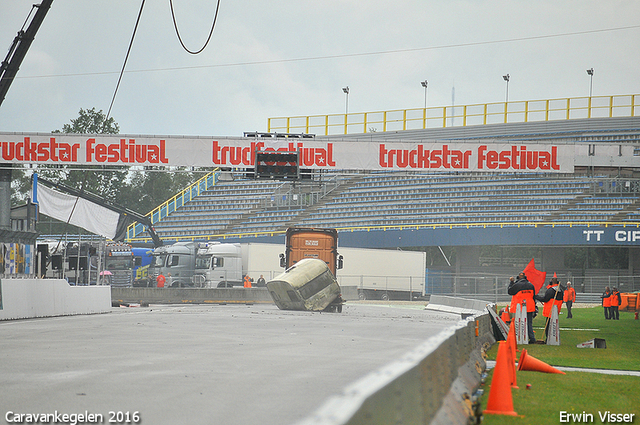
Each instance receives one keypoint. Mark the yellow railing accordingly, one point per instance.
(460, 116)
(173, 203)
(239, 235)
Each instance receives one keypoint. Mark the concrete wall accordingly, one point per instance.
(26, 298)
(190, 295)
(426, 386)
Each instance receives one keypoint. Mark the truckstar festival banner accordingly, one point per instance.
(314, 154)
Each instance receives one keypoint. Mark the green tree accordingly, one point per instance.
(98, 180)
(90, 121)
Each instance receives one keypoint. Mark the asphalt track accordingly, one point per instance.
(200, 364)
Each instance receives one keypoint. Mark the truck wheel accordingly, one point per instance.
(362, 296)
(384, 296)
(340, 308)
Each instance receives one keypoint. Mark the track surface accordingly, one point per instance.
(229, 364)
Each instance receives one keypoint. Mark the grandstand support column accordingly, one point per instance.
(467, 256)
(553, 259)
(634, 266)
(5, 197)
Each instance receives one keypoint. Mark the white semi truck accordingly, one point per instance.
(384, 273)
(374, 273)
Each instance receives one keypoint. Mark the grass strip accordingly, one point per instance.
(578, 393)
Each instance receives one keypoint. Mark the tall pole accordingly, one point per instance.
(424, 115)
(346, 103)
(506, 98)
(590, 72)
(346, 108)
(506, 78)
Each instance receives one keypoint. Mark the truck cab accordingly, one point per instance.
(218, 265)
(178, 260)
(305, 242)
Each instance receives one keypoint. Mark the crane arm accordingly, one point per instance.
(143, 219)
(19, 47)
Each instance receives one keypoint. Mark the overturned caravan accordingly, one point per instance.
(307, 285)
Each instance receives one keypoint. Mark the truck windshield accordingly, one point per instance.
(114, 263)
(158, 260)
(203, 262)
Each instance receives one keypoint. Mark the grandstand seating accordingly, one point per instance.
(404, 199)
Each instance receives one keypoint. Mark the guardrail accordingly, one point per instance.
(457, 116)
(239, 235)
(173, 203)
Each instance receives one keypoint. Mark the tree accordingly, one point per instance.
(106, 183)
(90, 121)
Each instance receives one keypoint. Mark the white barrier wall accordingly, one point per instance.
(425, 386)
(25, 298)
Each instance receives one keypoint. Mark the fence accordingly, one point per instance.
(457, 116)
(494, 286)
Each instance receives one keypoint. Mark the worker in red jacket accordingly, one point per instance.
(606, 302)
(569, 299)
(160, 280)
(616, 300)
(522, 291)
(552, 296)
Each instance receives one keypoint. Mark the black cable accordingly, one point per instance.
(175, 25)
(113, 99)
(338, 56)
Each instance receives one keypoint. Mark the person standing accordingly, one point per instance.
(569, 299)
(522, 291)
(606, 302)
(247, 281)
(552, 296)
(616, 300)
(160, 280)
(261, 282)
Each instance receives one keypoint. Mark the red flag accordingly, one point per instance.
(535, 276)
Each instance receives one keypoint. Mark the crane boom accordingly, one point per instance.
(20, 47)
(143, 219)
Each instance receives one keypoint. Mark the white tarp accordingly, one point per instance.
(85, 214)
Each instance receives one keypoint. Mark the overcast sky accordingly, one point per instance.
(292, 57)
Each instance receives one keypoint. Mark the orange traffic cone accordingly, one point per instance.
(500, 400)
(528, 362)
(511, 345)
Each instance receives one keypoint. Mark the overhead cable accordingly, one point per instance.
(133, 36)
(175, 25)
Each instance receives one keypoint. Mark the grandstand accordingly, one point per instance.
(361, 200)
(404, 199)
(596, 206)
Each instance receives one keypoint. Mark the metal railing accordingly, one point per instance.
(300, 195)
(494, 286)
(460, 116)
(249, 234)
(173, 203)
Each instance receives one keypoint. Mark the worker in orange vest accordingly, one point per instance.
(569, 299)
(606, 302)
(247, 281)
(160, 280)
(552, 296)
(616, 300)
(522, 291)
